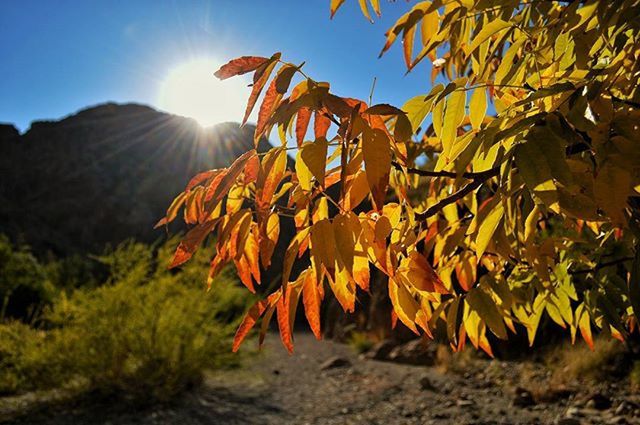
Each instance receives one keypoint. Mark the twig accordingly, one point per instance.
(602, 265)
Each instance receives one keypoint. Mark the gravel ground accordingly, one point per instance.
(276, 388)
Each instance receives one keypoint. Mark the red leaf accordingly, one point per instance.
(191, 242)
(302, 123)
(321, 124)
(240, 66)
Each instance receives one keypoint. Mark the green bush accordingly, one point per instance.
(24, 286)
(147, 333)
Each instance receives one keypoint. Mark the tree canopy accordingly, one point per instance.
(507, 193)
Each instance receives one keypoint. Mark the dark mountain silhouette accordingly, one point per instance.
(105, 174)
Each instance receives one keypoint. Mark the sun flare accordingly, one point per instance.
(191, 90)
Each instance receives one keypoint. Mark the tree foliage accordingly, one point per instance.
(508, 192)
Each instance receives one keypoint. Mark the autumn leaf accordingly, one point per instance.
(377, 163)
(302, 123)
(260, 78)
(311, 300)
(240, 66)
(191, 242)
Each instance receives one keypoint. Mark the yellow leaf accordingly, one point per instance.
(488, 226)
(323, 245)
(478, 107)
(490, 29)
(334, 6)
(376, 149)
(312, 161)
(365, 9)
(453, 116)
(403, 304)
(486, 308)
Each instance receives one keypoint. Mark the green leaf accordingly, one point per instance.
(483, 304)
(417, 109)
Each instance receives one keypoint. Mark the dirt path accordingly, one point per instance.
(276, 388)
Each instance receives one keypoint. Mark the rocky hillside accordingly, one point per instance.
(105, 174)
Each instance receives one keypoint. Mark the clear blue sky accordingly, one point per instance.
(61, 56)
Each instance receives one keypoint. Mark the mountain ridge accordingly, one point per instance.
(104, 174)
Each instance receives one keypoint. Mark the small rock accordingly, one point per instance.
(464, 403)
(599, 401)
(523, 398)
(425, 384)
(345, 411)
(276, 372)
(618, 420)
(573, 412)
(414, 352)
(380, 350)
(623, 408)
(335, 362)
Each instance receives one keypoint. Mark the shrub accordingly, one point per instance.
(146, 333)
(360, 341)
(25, 359)
(578, 362)
(24, 287)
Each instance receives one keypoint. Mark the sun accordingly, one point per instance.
(191, 90)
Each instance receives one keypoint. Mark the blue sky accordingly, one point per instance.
(61, 56)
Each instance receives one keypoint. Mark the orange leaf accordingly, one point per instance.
(585, 328)
(220, 189)
(269, 234)
(311, 301)
(191, 242)
(201, 177)
(377, 163)
(334, 6)
(417, 272)
(272, 171)
(251, 169)
(248, 322)
(259, 80)
(284, 319)
(172, 211)
(269, 104)
(244, 272)
(216, 265)
(240, 66)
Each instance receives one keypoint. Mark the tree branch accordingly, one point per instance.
(602, 265)
(450, 174)
(461, 193)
